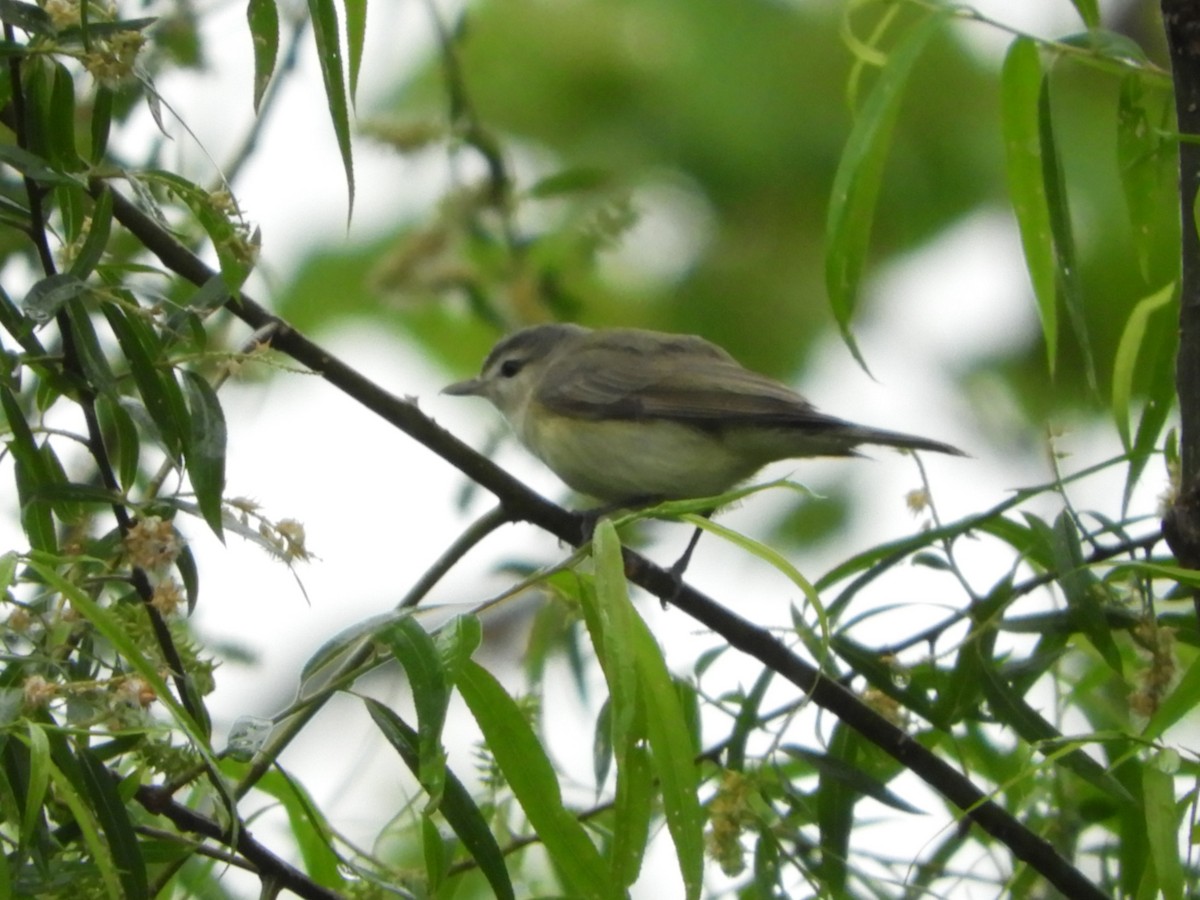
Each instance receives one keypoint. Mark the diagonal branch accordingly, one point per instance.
(521, 503)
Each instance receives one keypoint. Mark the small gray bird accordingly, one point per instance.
(627, 415)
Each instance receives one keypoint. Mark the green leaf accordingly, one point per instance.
(89, 829)
(610, 620)
(747, 721)
(860, 174)
(233, 247)
(523, 761)
(100, 787)
(673, 753)
(38, 781)
(307, 827)
(1145, 155)
(29, 18)
(1067, 267)
(356, 33)
(1088, 11)
(776, 559)
(1127, 354)
(329, 54)
(836, 799)
(434, 851)
(1162, 829)
(1084, 592)
(205, 453)
(159, 390)
(87, 351)
(839, 768)
(263, 19)
(121, 438)
(457, 805)
(33, 166)
(1011, 709)
(101, 123)
(60, 122)
(414, 649)
(32, 474)
(96, 241)
(185, 564)
(1021, 89)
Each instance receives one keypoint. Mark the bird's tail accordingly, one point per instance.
(903, 441)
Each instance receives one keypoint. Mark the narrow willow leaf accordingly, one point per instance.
(1162, 829)
(205, 449)
(185, 564)
(1143, 165)
(414, 649)
(89, 829)
(1083, 591)
(634, 798)
(33, 166)
(1011, 709)
(1067, 269)
(835, 811)
(307, 827)
(99, 785)
(1127, 355)
(87, 351)
(60, 124)
(1021, 87)
(1088, 11)
(614, 637)
(32, 474)
(96, 242)
(525, 766)
(159, 391)
(674, 760)
(356, 33)
(774, 558)
(458, 807)
(329, 54)
(434, 851)
(101, 123)
(26, 16)
(860, 175)
(610, 619)
(235, 248)
(747, 721)
(837, 767)
(121, 438)
(37, 782)
(263, 19)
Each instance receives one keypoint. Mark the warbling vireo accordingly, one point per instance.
(627, 415)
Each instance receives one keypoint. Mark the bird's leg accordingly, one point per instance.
(590, 518)
(681, 564)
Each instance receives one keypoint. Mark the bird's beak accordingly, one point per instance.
(472, 387)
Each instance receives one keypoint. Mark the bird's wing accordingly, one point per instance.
(689, 380)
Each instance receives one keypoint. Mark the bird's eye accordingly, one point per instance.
(510, 367)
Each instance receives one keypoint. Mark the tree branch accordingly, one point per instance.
(1181, 525)
(523, 504)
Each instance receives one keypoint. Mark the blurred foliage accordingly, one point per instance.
(1057, 685)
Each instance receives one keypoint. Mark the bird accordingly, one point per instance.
(629, 416)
